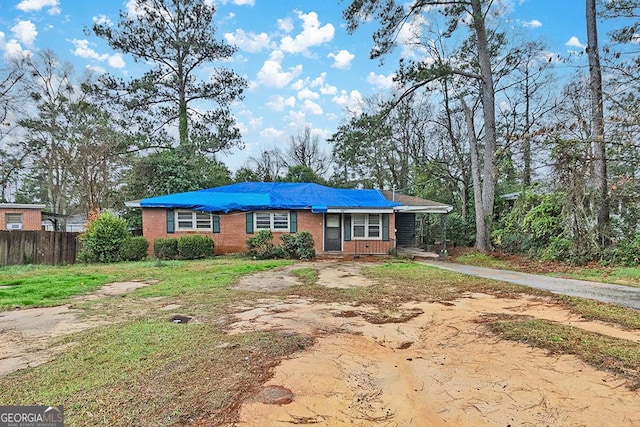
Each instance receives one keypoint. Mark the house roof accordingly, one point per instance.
(21, 206)
(416, 204)
(251, 196)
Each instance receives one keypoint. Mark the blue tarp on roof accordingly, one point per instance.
(251, 196)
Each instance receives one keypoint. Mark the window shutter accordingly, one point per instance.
(347, 227)
(385, 227)
(293, 221)
(249, 222)
(171, 225)
(215, 221)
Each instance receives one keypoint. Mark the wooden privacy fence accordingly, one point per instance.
(38, 247)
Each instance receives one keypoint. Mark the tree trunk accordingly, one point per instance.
(481, 231)
(597, 118)
(484, 205)
(526, 148)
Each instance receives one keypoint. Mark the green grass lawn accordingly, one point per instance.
(45, 286)
(42, 286)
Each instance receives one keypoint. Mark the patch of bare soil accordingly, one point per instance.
(437, 365)
(332, 274)
(26, 333)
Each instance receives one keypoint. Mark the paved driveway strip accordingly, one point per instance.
(615, 294)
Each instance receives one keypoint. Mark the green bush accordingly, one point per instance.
(261, 246)
(102, 240)
(565, 250)
(134, 249)
(559, 249)
(531, 225)
(195, 246)
(165, 248)
(298, 246)
(625, 253)
(460, 231)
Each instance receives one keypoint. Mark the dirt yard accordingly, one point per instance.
(442, 367)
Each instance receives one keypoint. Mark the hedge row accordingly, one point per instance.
(192, 246)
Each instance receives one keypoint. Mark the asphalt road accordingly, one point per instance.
(615, 294)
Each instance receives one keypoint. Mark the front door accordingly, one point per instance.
(332, 232)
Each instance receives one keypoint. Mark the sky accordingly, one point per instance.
(302, 66)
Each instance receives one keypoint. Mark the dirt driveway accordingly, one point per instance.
(442, 367)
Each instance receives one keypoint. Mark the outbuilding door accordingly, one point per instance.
(332, 232)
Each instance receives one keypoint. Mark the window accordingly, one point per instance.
(13, 221)
(366, 226)
(192, 220)
(274, 221)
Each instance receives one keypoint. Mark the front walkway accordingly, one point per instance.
(615, 294)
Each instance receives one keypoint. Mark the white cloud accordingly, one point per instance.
(534, 23)
(350, 101)
(311, 107)
(271, 133)
(25, 32)
(279, 102)
(328, 90)
(325, 89)
(296, 119)
(255, 122)
(102, 20)
(548, 56)
(13, 50)
(249, 42)
(84, 51)
(342, 59)
(116, 61)
(132, 9)
(285, 25)
(380, 80)
(575, 42)
(409, 36)
(306, 93)
(239, 2)
(96, 69)
(298, 85)
(271, 73)
(35, 5)
(312, 34)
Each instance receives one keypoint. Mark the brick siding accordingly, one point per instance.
(31, 218)
(233, 236)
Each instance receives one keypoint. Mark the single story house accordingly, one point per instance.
(343, 221)
(21, 216)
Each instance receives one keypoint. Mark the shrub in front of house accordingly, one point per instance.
(134, 249)
(165, 248)
(298, 246)
(261, 245)
(103, 238)
(195, 246)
